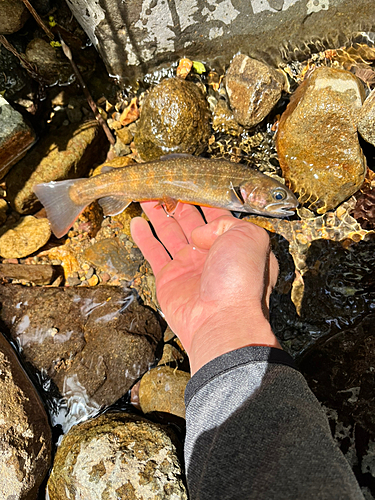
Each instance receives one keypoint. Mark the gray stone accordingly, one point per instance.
(25, 435)
(135, 36)
(117, 456)
(253, 89)
(366, 119)
(94, 343)
(13, 15)
(16, 137)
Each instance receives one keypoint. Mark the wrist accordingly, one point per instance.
(221, 335)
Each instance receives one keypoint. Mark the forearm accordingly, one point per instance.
(255, 430)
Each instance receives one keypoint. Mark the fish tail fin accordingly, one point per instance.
(61, 211)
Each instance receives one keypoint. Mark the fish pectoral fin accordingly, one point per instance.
(169, 204)
(236, 191)
(113, 205)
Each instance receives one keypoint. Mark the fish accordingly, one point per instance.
(174, 178)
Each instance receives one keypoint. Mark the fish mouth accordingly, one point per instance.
(280, 209)
(275, 210)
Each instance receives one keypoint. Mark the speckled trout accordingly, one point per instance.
(185, 178)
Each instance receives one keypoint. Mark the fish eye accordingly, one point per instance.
(279, 194)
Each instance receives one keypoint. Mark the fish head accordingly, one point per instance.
(267, 196)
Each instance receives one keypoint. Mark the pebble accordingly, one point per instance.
(317, 141)
(162, 389)
(125, 135)
(253, 89)
(112, 257)
(24, 238)
(94, 280)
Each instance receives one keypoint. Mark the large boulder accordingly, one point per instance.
(25, 435)
(135, 36)
(117, 456)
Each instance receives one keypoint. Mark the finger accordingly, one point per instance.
(189, 218)
(213, 213)
(167, 228)
(204, 236)
(152, 249)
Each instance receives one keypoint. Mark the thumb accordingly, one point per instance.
(204, 236)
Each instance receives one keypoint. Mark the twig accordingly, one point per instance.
(38, 19)
(90, 100)
(30, 68)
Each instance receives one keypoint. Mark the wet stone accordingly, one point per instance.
(317, 141)
(162, 389)
(25, 437)
(253, 88)
(24, 237)
(366, 119)
(65, 153)
(119, 454)
(110, 256)
(174, 119)
(94, 343)
(16, 137)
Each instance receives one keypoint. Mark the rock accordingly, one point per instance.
(111, 256)
(133, 38)
(223, 120)
(13, 15)
(317, 141)
(51, 63)
(253, 88)
(122, 455)
(40, 274)
(174, 119)
(95, 342)
(24, 237)
(16, 137)
(25, 433)
(163, 389)
(366, 119)
(65, 153)
(124, 135)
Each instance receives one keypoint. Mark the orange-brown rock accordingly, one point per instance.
(317, 140)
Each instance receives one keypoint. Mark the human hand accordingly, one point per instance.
(214, 291)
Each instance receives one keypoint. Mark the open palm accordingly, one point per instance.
(207, 275)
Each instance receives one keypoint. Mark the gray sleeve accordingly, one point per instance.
(254, 430)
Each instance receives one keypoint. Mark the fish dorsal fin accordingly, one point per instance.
(106, 168)
(113, 205)
(236, 190)
(175, 156)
